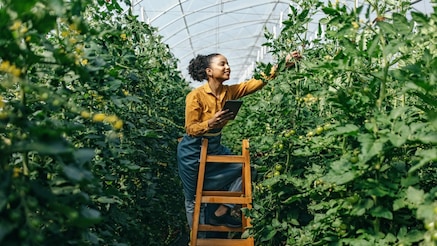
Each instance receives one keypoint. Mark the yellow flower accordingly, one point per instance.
(16, 172)
(99, 117)
(4, 66)
(85, 114)
(309, 99)
(7, 141)
(15, 71)
(24, 29)
(111, 119)
(123, 36)
(2, 104)
(28, 38)
(79, 48)
(73, 27)
(118, 124)
(355, 25)
(84, 62)
(16, 25)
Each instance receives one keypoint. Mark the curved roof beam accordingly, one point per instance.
(229, 41)
(230, 25)
(218, 14)
(186, 27)
(168, 10)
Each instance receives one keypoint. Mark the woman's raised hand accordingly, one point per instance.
(291, 58)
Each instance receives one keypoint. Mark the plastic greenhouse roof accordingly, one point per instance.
(234, 28)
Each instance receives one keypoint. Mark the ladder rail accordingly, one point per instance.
(199, 188)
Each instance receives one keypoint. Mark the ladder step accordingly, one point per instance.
(221, 199)
(224, 242)
(222, 193)
(225, 158)
(204, 227)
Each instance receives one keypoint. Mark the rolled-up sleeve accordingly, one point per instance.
(246, 88)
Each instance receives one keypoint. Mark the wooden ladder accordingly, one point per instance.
(244, 198)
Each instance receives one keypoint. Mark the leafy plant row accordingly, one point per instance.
(345, 143)
(90, 110)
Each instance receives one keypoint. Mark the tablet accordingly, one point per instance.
(233, 106)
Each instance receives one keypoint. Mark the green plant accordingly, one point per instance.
(85, 134)
(359, 168)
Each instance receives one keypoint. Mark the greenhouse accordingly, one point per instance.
(234, 28)
(105, 105)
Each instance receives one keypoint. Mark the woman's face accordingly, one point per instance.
(219, 68)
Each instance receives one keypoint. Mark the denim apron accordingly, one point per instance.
(217, 176)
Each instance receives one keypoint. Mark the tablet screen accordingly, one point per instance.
(233, 106)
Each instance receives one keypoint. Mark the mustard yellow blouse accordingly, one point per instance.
(201, 104)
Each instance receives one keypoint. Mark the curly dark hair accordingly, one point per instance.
(197, 66)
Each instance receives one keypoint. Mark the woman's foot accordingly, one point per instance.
(225, 220)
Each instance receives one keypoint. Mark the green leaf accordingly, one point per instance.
(303, 14)
(77, 174)
(52, 148)
(427, 156)
(393, 48)
(401, 23)
(410, 180)
(329, 11)
(372, 46)
(378, 190)
(415, 196)
(115, 84)
(3, 200)
(420, 17)
(345, 178)
(5, 228)
(57, 6)
(23, 6)
(381, 212)
(397, 140)
(386, 27)
(268, 233)
(108, 200)
(89, 217)
(370, 147)
(426, 211)
(397, 112)
(428, 99)
(427, 137)
(293, 198)
(398, 204)
(348, 129)
(83, 155)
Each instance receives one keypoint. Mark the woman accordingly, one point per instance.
(205, 119)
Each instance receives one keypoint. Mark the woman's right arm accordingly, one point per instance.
(194, 125)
